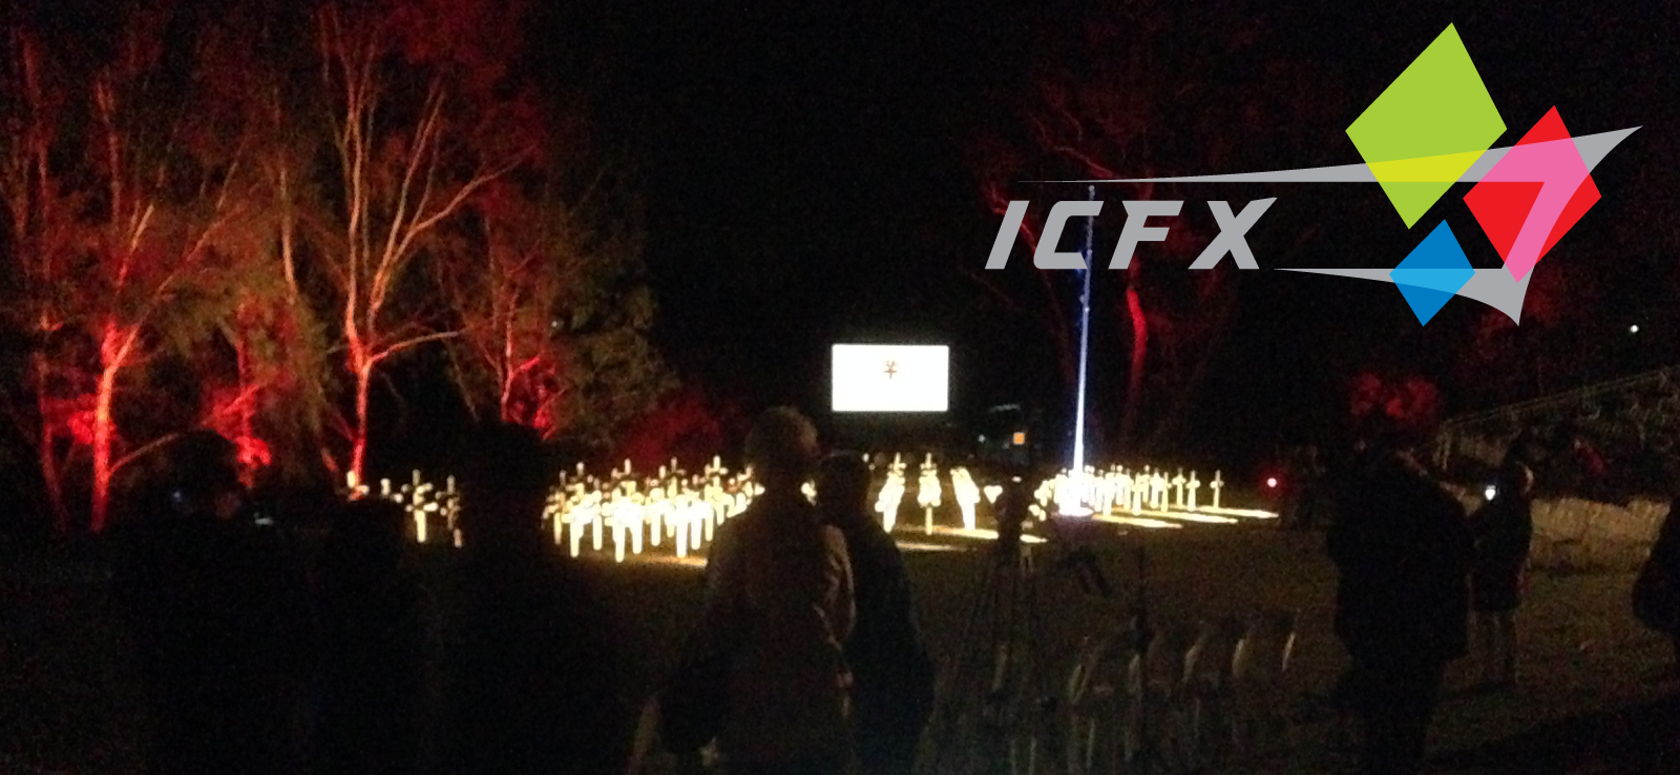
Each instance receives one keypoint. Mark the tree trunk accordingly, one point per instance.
(504, 406)
(288, 240)
(508, 373)
(1185, 393)
(247, 407)
(1140, 352)
(358, 453)
(48, 449)
(103, 427)
(49, 475)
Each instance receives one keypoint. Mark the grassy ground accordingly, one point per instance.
(1588, 701)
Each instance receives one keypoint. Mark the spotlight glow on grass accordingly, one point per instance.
(1153, 524)
(911, 546)
(1172, 516)
(980, 533)
(1244, 513)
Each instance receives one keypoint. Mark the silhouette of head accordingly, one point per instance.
(1516, 478)
(375, 520)
(203, 475)
(371, 529)
(504, 485)
(782, 449)
(843, 484)
(1015, 500)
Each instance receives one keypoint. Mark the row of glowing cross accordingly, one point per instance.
(639, 511)
(1143, 497)
(685, 509)
(1137, 491)
(672, 504)
(929, 493)
(421, 500)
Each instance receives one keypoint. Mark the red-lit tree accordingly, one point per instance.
(186, 200)
(686, 424)
(128, 212)
(42, 239)
(1409, 402)
(610, 371)
(421, 123)
(507, 292)
(1549, 352)
(554, 306)
(1114, 96)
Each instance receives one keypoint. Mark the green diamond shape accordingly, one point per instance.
(1428, 127)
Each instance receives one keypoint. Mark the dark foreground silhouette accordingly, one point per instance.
(1642, 739)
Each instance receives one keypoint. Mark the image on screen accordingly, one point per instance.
(891, 377)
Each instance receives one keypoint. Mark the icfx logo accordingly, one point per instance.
(1432, 127)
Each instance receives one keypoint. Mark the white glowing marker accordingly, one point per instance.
(967, 494)
(695, 521)
(927, 491)
(586, 514)
(595, 525)
(887, 501)
(1067, 495)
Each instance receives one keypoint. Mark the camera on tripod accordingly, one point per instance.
(1071, 538)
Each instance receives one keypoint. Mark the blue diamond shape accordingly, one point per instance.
(1434, 271)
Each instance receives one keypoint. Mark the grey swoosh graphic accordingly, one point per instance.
(1493, 287)
(1593, 149)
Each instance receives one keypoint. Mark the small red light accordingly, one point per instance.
(1271, 482)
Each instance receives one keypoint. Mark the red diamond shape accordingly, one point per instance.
(1502, 207)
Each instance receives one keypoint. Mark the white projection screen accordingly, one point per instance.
(891, 377)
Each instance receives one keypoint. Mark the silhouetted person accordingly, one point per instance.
(1013, 510)
(530, 681)
(1659, 582)
(220, 620)
(892, 688)
(1301, 489)
(1503, 528)
(1403, 549)
(779, 603)
(380, 649)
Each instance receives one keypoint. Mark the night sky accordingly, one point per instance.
(810, 180)
(810, 176)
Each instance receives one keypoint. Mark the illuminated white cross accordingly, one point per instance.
(927, 492)
(886, 502)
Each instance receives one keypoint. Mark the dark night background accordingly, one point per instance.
(815, 172)
(808, 183)
(809, 173)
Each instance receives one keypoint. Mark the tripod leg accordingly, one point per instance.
(954, 738)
